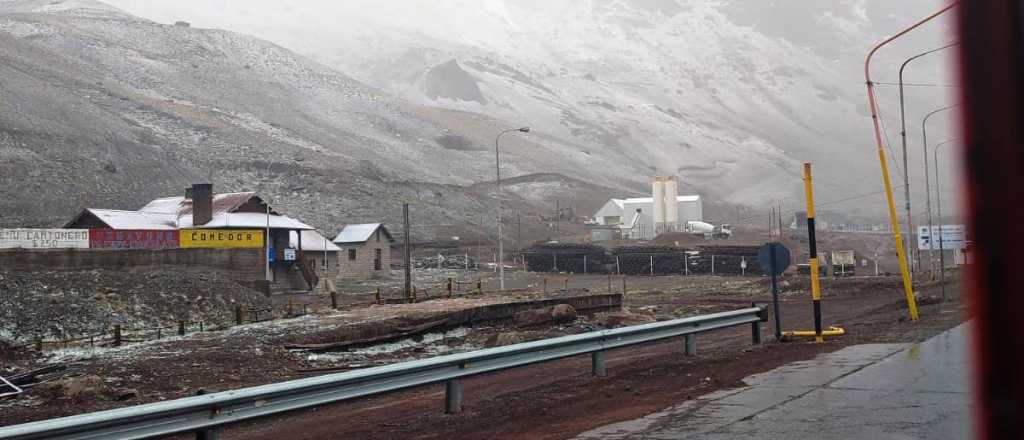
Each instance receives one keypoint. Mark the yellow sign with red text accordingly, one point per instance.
(221, 238)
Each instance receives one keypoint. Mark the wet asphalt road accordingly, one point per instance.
(871, 392)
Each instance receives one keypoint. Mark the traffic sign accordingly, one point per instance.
(777, 265)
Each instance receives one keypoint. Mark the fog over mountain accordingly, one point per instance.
(397, 97)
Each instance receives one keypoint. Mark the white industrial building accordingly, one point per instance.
(643, 218)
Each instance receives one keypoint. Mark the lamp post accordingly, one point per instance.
(908, 287)
(927, 190)
(906, 170)
(497, 183)
(938, 203)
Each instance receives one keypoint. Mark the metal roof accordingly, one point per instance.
(360, 233)
(250, 220)
(118, 219)
(311, 241)
(169, 213)
(226, 202)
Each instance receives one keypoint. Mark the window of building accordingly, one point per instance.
(377, 259)
(351, 255)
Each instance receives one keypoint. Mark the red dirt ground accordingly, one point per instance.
(560, 399)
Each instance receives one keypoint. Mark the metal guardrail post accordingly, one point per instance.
(181, 328)
(453, 396)
(376, 295)
(597, 364)
(334, 300)
(208, 433)
(117, 335)
(691, 344)
(755, 328)
(238, 314)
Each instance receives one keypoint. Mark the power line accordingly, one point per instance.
(888, 145)
(886, 83)
(828, 203)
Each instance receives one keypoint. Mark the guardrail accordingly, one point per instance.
(205, 414)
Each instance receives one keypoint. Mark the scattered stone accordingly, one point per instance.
(531, 318)
(121, 394)
(623, 319)
(563, 313)
(502, 339)
(559, 314)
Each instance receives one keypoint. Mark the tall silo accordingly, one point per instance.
(671, 186)
(658, 200)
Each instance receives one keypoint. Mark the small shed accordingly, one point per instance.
(365, 251)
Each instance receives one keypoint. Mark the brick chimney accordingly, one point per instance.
(202, 203)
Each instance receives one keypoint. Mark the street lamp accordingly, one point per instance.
(497, 183)
(906, 171)
(927, 190)
(876, 123)
(938, 202)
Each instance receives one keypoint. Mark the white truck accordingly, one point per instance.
(709, 231)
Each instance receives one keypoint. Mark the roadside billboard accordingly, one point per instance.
(221, 238)
(132, 239)
(952, 237)
(44, 238)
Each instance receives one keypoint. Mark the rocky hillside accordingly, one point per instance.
(103, 109)
(730, 95)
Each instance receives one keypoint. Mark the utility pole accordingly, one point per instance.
(519, 232)
(938, 201)
(906, 171)
(500, 260)
(408, 251)
(558, 214)
(927, 182)
(778, 215)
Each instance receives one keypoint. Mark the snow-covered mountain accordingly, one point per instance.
(99, 108)
(730, 95)
(400, 100)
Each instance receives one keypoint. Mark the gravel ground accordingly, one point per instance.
(62, 305)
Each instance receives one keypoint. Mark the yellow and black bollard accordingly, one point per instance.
(815, 282)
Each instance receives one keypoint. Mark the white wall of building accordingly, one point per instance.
(689, 208)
